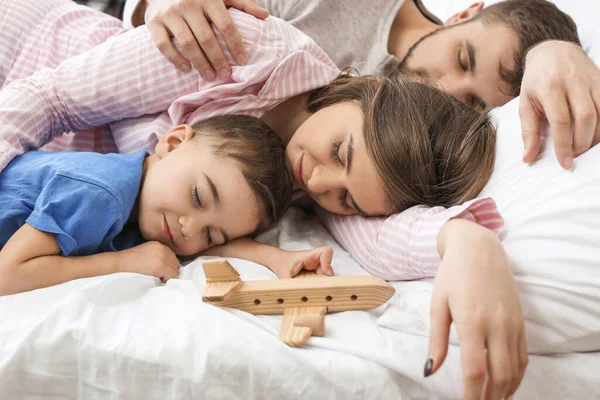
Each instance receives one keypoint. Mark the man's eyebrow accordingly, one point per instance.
(213, 190)
(471, 53)
(480, 104)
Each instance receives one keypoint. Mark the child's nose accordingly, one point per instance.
(190, 225)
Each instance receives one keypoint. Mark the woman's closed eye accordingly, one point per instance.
(335, 152)
(342, 200)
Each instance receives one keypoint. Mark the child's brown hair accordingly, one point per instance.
(260, 155)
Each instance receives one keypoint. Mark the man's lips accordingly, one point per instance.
(167, 230)
(298, 172)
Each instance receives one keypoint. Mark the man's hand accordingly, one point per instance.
(189, 22)
(561, 84)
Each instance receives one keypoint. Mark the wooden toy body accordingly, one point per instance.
(303, 301)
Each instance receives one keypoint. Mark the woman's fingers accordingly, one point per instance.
(522, 358)
(439, 332)
(472, 358)
(513, 349)
(501, 375)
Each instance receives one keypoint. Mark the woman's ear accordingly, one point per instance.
(173, 139)
(465, 14)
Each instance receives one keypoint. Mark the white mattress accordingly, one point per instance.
(128, 336)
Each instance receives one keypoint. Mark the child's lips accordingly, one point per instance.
(167, 230)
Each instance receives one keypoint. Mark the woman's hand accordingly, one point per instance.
(475, 289)
(189, 22)
(150, 258)
(560, 83)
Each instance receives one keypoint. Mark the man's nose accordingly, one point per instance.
(323, 180)
(458, 87)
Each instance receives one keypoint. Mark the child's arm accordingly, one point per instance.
(286, 264)
(31, 260)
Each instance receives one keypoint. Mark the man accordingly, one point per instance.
(381, 37)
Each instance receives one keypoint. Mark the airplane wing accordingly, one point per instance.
(300, 323)
(221, 280)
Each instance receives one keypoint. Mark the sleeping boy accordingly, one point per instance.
(69, 215)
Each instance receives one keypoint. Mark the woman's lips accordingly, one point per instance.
(167, 230)
(298, 172)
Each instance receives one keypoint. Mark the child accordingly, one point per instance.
(68, 215)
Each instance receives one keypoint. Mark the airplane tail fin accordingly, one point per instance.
(221, 280)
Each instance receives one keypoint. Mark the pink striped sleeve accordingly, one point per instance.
(124, 77)
(404, 246)
(127, 77)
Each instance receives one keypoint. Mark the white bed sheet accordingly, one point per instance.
(126, 336)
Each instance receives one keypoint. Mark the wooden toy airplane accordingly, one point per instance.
(303, 301)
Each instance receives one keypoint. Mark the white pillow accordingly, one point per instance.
(552, 236)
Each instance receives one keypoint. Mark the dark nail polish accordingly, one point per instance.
(428, 367)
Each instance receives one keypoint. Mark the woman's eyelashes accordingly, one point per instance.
(342, 199)
(335, 152)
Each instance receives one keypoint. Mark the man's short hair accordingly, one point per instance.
(533, 21)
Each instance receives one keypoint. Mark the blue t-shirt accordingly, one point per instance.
(83, 198)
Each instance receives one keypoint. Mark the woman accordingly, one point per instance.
(127, 77)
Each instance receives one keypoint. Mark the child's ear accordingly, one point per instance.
(465, 14)
(172, 139)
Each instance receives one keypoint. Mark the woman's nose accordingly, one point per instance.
(323, 180)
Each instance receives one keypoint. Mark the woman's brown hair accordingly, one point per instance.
(428, 148)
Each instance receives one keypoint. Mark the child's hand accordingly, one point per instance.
(318, 260)
(150, 258)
